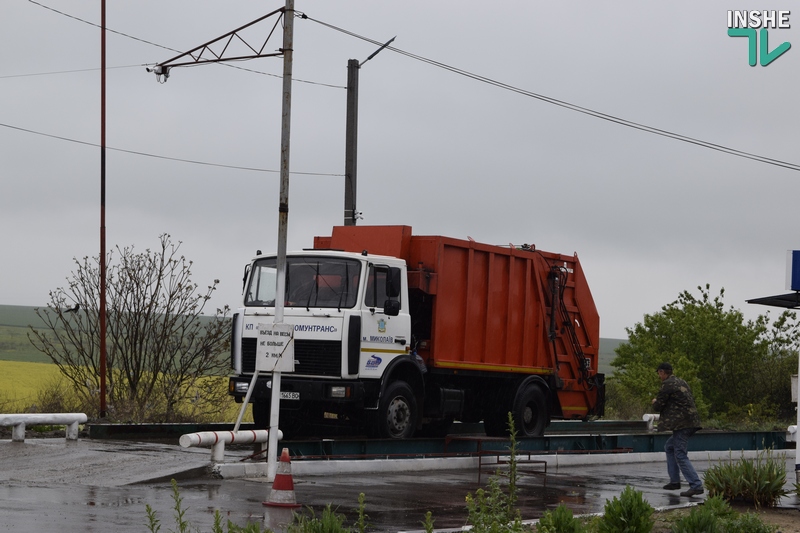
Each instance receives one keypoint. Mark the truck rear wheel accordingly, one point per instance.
(397, 415)
(530, 412)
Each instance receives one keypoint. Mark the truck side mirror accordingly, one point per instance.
(391, 307)
(393, 282)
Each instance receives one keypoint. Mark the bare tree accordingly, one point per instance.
(161, 349)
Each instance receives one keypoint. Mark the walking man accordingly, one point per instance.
(679, 414)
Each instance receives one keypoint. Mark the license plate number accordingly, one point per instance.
(290, 395)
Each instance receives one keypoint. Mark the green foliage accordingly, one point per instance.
(488, 511)
(492, 510)
(153, 523)
(747, 523)
(184, 526)
(719, 507)
(629, 397)
(629, 513)
(700, 520)
(758, 481)
(160, 347)
(716, 516)
(719, 354)
(427, 524)
(559, 520)
(329, 522)
(361, 523)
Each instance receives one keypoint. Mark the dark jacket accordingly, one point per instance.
(676, 405)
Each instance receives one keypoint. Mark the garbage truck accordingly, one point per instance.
(397, 335)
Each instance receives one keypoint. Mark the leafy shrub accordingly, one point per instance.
(329, 522)
(183, 524)
(700, 520)
(559, 520)
(493, 510)
(427, 524)
(488, 511)
(629, 513)
(719, 507)
(716, 516)
(758, 481)
(747, 523)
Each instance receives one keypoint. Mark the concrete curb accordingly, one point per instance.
(332, 467)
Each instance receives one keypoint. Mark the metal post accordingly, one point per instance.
(102, 309)
(283, 222)
(351, 143)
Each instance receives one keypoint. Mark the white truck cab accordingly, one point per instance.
(350, 314)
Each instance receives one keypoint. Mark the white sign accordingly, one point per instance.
(275, 348)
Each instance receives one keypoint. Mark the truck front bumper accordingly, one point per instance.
(298, 391)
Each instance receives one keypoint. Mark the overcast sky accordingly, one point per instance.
(649, 216)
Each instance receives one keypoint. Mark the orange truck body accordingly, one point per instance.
(495, 310)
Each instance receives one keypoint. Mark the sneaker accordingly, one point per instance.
(692, 492)
(672, 486)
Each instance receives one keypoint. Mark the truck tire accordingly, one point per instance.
(530, 412)
(397, 414)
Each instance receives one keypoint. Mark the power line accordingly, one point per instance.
(574, 107)
(156, 156)
(159, 46)
(32, 74)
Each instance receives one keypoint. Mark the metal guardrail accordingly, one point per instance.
(20, 421)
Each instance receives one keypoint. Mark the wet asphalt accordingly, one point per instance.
(89, 485)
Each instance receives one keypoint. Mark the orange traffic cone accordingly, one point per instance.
(282, 493)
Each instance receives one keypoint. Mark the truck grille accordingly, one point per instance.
(312, 358)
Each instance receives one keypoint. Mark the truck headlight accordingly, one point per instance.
(340, 392)
(241, 387)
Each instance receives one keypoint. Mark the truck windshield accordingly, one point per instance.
(310, 282)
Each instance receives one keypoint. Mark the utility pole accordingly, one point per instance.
(283, 223)
(351, 138)
(210, 53)
(351, 143)
(102, 308)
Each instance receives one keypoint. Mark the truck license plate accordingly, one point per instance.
(290, 395)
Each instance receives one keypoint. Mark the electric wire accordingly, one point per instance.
(156, 156)
(572, 107)
(477, 77)
(253, 71)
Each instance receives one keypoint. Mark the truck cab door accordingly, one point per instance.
(385, 322)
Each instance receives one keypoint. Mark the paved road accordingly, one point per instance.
(50, 484)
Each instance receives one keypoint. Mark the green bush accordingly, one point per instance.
(747, 523)
(559, 520)
(700, 520)
(183, 524)
(758, 481)
(329, 522)
(492, 510)
(488, 511)
(716, 516)
(629, 513)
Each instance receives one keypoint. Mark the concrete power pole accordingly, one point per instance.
(351, 143)
(351, 138)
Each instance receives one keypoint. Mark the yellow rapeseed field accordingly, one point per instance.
(21, 382)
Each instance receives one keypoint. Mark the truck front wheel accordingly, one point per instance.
(530, 412)
(397, 415)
